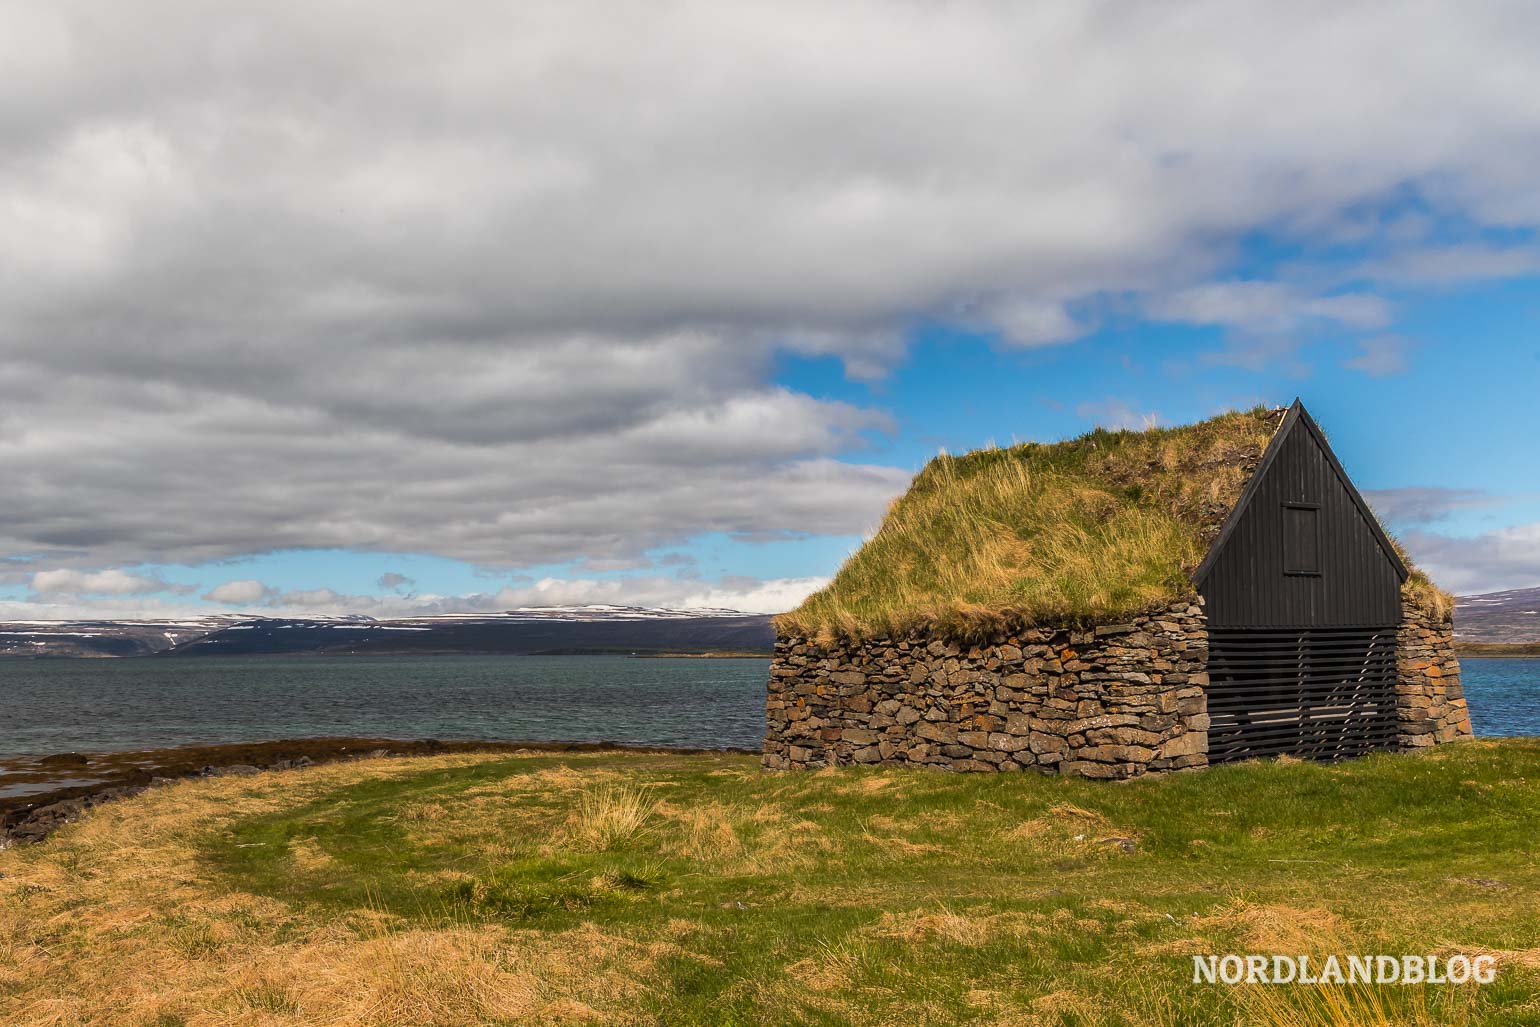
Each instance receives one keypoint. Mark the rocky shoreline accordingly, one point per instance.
(38, 810)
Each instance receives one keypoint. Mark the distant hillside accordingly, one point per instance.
(103, 638)
(1512, 616)
(564, 630)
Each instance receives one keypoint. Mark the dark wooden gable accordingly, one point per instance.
(1301, 548)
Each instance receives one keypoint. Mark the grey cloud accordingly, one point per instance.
(113, 581)
(394, 581)
(242, 592)
(508, 286)
(1491, 562)
(1452, 265)
(1422, 504)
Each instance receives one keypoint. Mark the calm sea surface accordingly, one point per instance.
(49, 706)
(1504, 695)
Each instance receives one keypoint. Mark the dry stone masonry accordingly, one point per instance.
(1430, 703)
(1111, 701)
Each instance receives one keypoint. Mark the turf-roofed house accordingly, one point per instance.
(1121, 603)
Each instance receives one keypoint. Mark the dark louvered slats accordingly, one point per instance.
(1315, 693)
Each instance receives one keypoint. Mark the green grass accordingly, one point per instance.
(891, 895)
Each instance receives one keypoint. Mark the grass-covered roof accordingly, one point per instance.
(1096, 527)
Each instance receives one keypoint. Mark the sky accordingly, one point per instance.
(359, 308)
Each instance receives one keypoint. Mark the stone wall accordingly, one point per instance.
(1430, 703)
(1114, 701)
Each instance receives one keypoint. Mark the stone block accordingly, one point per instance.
(1186, 744)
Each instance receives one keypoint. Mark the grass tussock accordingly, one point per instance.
(610, 816)
(1359, 1005)
(667, 889)
(1420, 591)
(1103, 525)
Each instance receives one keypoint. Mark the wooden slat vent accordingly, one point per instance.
(1320, 694)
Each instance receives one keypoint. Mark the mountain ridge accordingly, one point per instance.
(525, 630)
(1509, 616)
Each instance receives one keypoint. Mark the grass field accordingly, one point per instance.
(632, 888)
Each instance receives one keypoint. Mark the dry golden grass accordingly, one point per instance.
(611, 815)
(1102, 525)
(1420, 591)
(113, 923)
(1357, 1005)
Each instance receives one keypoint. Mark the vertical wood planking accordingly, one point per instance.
(1357, 586)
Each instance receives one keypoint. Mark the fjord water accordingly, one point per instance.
(112, 705)
(1504, 695)
(49, 706)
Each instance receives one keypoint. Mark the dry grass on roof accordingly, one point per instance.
(1104, 525)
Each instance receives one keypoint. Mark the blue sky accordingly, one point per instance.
(551, 318)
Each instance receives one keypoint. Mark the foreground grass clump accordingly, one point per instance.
(1094, 528)
(617, 888)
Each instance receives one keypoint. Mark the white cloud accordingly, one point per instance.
(1266, 307)
(777, 595)
(318, 599)
(1380, 355)
(749, 595)
(1451, 265)
(244, 592)
(1028, 322)
(1491, 562)
(746, 594)
(108, 582)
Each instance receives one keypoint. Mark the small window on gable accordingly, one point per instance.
(1301, 539)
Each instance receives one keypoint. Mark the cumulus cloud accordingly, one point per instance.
(1472, 565)
(108, 582)
(395, 581)
(1022, 321)
(509, 286)
(748, 595)
(324, 599)
(245, 592)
